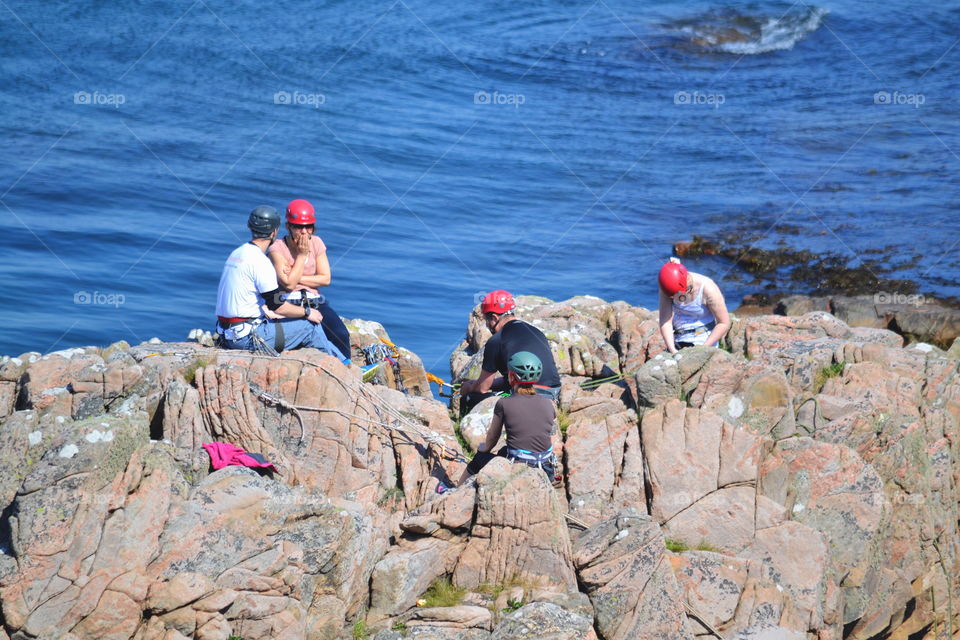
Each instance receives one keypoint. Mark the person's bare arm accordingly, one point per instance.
(288, 310)
(666, 322)
(287, 276)
(493, 434)
(322, 277)
(718, 307)
(481, 384)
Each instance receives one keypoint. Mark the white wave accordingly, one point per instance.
(747, 35)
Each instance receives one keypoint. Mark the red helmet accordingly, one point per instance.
(300, 212)
(498, 301)
(673, 278)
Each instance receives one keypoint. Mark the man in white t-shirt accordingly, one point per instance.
(249, 281)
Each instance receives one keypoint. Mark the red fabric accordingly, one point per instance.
(224, 454)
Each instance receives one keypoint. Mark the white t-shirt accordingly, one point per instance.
(247, 273)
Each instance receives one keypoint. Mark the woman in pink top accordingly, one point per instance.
(300, 259)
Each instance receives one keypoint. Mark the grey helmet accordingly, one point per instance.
(263, 221)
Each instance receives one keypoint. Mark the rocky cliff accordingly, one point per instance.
(802, 482)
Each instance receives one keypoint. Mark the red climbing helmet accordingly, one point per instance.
(673, 278)
(300, 212)
(498, 301)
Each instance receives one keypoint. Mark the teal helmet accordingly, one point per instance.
(263, 221)
(526, 366)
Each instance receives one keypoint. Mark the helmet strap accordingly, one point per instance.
(517, 382)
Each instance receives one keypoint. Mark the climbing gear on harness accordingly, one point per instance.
(301, 212)
(498, 301)
(673, 277)
(526, 367)
(260, 345)
(263, 221)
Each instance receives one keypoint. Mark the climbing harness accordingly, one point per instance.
(535, 459)
(258, 344)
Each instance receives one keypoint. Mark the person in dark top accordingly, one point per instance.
(528, 418)
(510, 336)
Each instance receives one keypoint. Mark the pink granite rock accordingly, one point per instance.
(519, 531)
(604, 465)
(622, 564)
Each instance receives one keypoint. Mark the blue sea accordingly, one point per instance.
(549, 148)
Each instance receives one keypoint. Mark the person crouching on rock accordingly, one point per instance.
(692, 309)
(300, 260)
(250, 312)
(528, 418)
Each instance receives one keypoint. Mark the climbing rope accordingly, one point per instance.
(596, 382)
(400, 422)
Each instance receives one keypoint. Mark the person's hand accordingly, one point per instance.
(270, 314)
(467, 387)
(302, 244)
(315, 316)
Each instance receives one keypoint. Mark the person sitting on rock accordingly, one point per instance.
(692, 309)
(510, 336)
(300, 259)
(528, 418)
(250, 313)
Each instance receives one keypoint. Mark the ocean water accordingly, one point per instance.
(549, 148)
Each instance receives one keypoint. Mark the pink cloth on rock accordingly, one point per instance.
(224, 454)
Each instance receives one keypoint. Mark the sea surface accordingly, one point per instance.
(451, 148)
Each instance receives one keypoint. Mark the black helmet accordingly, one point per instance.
(263, 221)
(526, 366)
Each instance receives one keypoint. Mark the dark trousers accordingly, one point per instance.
(333, 326)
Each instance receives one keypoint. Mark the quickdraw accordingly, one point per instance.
(454, 388)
